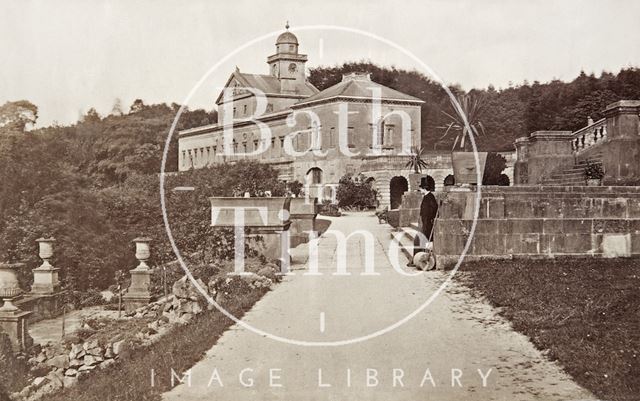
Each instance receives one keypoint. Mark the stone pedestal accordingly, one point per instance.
(45, 280)
(266, 222)
(139, 293)
(15, 323)
(303, 219)
(409, 211)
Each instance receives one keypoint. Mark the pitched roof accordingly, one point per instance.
(358, 86)
(269, 85)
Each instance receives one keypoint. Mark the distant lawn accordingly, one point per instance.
(130, 379)
(585, 312)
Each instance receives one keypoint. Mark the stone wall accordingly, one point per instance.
(538, 221)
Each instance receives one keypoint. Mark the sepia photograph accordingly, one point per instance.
(320, 200)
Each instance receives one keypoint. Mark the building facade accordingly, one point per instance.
(314, 137)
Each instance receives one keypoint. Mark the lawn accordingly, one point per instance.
(585, 312)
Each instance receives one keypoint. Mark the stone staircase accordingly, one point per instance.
(406, 240)
(572, 176)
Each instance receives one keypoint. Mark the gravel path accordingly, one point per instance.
(457, 348)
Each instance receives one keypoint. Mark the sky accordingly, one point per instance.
(66, 56)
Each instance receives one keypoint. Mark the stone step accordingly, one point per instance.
(406, 241)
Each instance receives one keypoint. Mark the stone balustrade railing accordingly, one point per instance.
(589, 136)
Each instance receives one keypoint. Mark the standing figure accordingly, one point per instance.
(428, 212)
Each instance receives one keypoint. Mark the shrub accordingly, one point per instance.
(493, 168)
(356, 192)
(327, 208)
(594, 171)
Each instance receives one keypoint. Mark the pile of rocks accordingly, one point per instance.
(68, 366)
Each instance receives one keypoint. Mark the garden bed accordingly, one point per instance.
(585, 313)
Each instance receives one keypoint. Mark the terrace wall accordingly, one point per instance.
(539, 221)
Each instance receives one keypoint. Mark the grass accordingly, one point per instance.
(584, 312)
(179, 349)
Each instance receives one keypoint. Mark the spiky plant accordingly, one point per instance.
(416, 162)
(472, 108)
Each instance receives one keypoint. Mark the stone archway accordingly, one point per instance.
(398, 185)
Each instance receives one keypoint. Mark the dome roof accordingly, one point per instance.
(287, 38)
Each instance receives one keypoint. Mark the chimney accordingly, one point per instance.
(356, 76)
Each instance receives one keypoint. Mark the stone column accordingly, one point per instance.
(45, 277)
(139, 292)
(13, 320)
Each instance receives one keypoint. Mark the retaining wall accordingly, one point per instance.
(539, 222)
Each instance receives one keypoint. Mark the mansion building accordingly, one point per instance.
(360, 127)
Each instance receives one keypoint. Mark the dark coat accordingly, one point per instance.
(428, 212)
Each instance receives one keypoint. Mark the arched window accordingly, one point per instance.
(315, 175)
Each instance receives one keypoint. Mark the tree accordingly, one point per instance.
(471, 111)
(356, 192)
(416, 162)
(17, 116)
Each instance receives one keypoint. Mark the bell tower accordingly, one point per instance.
(287, 64)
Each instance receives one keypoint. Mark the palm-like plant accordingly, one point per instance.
(472, 108)
(416, 162)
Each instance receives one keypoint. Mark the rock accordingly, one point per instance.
(107, 364)
(163, 319)
(190, 307)
(71, 372)
(77, 351)
(69, 381)
(90, 345)
(75, 363)
(39, 382)
(95, 351)
(90, 360)
(186, 317)
(57, 378)
(108, 352)
(59, 361)
(167, 307)
(86, 368)
(154, 326)
(183, 288)
(41, 358)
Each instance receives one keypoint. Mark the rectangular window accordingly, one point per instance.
(245, 109)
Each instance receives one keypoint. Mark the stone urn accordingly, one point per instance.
(464, 166)
(143, 252)
(45, 277)
(45, 246)
(9, 286)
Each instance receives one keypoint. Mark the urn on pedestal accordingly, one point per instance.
(45, 277)
(13, 320)
(139, 292)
